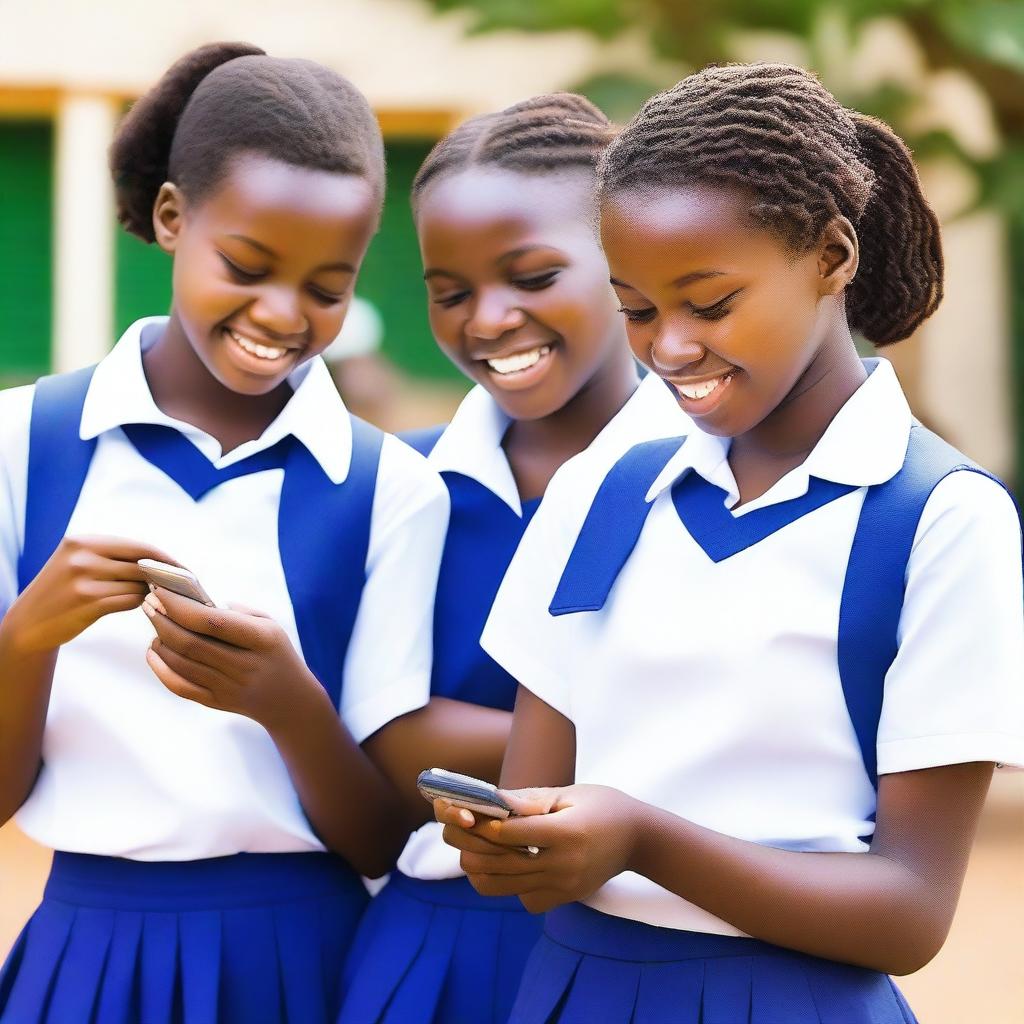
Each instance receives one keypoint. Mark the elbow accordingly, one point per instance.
(913, 946)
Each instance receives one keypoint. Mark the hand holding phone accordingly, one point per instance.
(174, 578)
(467, 793)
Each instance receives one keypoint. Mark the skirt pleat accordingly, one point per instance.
(594, 968)
(250, 939)
(77, 984)
(436, 952)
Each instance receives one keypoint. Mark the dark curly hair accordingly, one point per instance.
(226, 98)
(774, 132)
(546, 133)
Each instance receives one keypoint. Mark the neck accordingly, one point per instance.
(182, 387)
(537, 448)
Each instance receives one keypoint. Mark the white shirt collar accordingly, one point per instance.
(865, 444)
(472, 442)
(315, 414)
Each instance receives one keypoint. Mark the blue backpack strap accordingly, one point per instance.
(612, 528)
(324, 536)
(58, 461)
(875, 585)
(423, 440)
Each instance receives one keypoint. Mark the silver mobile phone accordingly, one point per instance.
(468, 793)
(174, 578)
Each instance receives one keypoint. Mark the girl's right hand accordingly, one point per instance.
(84, 579)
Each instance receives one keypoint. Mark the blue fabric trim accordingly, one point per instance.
(169, 450)
(875, 584)
(58, 462)
(612, 528)
(324, 535)
(423, 440)
(701, 508)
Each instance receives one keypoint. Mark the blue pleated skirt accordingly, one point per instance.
(591, 968)
(248, 939)
(437, 952)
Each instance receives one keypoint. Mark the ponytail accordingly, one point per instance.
(141, 150)
(899, 282)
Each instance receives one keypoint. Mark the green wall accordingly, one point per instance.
(26, 249)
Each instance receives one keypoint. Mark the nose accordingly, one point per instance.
(278, 311)
(493, 315)
(675, 348)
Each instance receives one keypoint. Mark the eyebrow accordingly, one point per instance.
(266, 250)
(679, 282)
(506, 258)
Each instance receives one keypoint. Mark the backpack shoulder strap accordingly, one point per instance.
(324, 537)
(58, 462)
(612, 528)
(875, 585)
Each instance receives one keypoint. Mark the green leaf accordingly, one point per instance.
(990, 29)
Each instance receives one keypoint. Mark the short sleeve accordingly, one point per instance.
(955, 692)
(15, 415)
(387, 668)
(537, 649)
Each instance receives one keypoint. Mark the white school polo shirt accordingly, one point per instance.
(712, 689)
(130, 769)
(471, 446)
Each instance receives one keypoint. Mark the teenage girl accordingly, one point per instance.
(520, 302)
(777, 657)
(192, 879)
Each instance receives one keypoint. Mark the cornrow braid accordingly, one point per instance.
(775, 133)
(546, 133)
(227, 98)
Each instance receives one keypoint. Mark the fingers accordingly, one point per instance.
(469, 842)
(193, 647)
(504, 863)
(507, 885)
(448, 814)
(192, 671)
(527, 802)
(246, 610)
(118, 549)
(176, 683)
(232, 627)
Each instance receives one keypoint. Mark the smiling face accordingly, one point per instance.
(721, 308)
(264, 266)
(518, 285)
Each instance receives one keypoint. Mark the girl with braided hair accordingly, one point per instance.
(209, 791)
(520, 301)
(779, 655)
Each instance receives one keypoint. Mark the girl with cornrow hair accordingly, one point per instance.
(208, 790)
(776, 656)
(520, 302)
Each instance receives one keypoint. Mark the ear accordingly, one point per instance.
(168, 216)
(838, 256)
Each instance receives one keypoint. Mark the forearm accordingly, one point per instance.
(450, 734)
(25, 682)
(350, 804)
(858, 908)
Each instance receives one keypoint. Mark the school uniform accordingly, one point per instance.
(188, 883)
(864, 616)
(430, 949)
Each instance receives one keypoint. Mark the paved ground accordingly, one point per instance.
(983, 953)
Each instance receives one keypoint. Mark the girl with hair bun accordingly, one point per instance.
(520, 302)
(208, 791)
(775, 657)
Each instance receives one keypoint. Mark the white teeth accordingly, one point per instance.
(703, 389)
(255, 349)
(520, 361)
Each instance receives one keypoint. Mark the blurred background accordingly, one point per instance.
(947, 74)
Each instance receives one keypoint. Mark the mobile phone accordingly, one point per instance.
(174, 578)
(468, 793)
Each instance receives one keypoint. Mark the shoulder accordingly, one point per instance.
(971, 506)
(15, 418)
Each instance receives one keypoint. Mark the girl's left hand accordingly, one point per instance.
(586, 835)
(232, 659)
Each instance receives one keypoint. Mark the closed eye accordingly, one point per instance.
(451, 300)
(536, 283)
(717, 310)
(638, 316)
(240, 273)
(325, 298)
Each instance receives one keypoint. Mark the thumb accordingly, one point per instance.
(531, 801)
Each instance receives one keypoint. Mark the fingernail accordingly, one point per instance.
(154, 602)
(148, 608)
